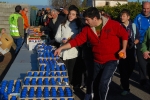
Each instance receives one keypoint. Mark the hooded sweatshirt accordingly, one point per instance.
(105, 47)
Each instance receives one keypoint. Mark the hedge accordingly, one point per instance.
(134, 7)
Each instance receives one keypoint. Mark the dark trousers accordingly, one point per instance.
(89, 63)
(126, 67)
(148, 70)
(70, 66)
(142, 64)
(18, 42)
(104, 72)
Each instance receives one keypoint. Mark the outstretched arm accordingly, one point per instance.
(66, 46)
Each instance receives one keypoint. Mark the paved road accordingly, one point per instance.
(136, 92)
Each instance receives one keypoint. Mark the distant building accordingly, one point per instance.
(99, 3)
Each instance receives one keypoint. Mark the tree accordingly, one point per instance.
(2, 2)
(64, 3)
(84, 3)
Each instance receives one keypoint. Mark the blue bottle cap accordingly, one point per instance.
(29, 73)
(58, 79)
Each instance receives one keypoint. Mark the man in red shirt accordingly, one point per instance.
(104, 36)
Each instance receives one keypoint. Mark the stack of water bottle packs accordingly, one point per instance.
(7, 88)
(52, 66)
(50, 82)
(46, 93)
(46, 73)
(52, 79)
(46, 51)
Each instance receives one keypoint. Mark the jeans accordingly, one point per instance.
(18, 42)
(102, 75)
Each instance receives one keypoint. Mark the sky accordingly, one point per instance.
(38, 2)
(29, 2)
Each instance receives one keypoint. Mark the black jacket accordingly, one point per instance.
(53, 27)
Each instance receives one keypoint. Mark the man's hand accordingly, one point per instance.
(124, 52)
(146, 55)
(57, 52)
(64, 41)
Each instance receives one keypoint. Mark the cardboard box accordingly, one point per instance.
(7, 42)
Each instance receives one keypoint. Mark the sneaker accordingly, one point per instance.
(125, 93)
(88, 97)
(83, 87)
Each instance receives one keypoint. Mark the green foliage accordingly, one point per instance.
(134, 7)
(34, 8)
(84, 3)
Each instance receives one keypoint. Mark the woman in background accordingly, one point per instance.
(66, 31)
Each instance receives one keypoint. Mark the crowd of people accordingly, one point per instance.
(90, 43)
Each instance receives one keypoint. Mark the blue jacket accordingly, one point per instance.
(142, 23)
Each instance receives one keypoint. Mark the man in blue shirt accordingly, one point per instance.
(142, 22)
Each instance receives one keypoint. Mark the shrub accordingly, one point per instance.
(134, 7)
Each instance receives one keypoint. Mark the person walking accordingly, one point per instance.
(127, 65)
(104, 35)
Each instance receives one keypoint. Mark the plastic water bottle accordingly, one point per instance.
(42, 68)
(46, 74)
(29, 73)
(58, 81)
(53, 81)
(58, 74)
(47, 68)
(24, 92)
(27, 80)
(52, 74)
(62, 68)
(46, 82)
(68, 92)
(53, 92)
(33, 82)
(57, 68)
(46, 92)
(13, 98)
(66, 81)
(40, 61)
(63, 73)
(35, 74)
(41, 74)
(40, 81)
(31, 92)
(39, 92)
